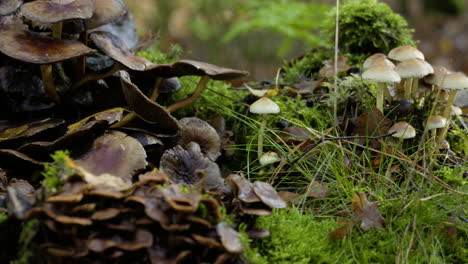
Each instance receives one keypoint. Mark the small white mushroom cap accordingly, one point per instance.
(371, 60)
(381, 73)
(456, 111)
(264, 106)
(269, 158)
(436, 121)
(436, 77)
(455, 81)
(405, 52)
(414, 68)
(403, 130)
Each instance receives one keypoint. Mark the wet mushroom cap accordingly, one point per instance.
(9, 6)
(436, 121)
(46, 12)
(117, 50)
(403, 130)
(405, 52)
(436, 77)
(264, 106)
(35, 48)
(456, 81)
(381, 73)
(198, 68)
(414, 68)
(105, 11)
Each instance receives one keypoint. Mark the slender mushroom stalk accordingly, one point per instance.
(411, 70)
(57, 30)
(263, 106)
(454, 82)
(48, 81)
(190, 100)
(381, 74)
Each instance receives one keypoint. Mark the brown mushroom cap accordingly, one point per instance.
(117, 50)
(229, 238)
(105, 11)
(9, 6)
(197, 68)
(35, 48)
(46, 12)
(268, 194)
(197, 130)
(144, 107)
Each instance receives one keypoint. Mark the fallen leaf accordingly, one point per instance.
(366, 212)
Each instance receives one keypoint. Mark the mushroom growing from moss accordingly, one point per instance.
(263, 106)
(381, 74)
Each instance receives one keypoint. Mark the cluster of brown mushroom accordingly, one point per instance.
(151, 220)
(411, 70)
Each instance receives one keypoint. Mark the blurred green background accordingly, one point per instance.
(259, 35)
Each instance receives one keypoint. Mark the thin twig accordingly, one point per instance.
(335, 68)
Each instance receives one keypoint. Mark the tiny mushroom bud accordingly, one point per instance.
(402, 130)
(263, 106)
(269, 158)
(381, 74)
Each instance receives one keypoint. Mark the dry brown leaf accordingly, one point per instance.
(366, 212)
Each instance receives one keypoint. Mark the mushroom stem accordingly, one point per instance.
(447, 115)
(130, 116)
(96, 76)
(191, 99)
(381, 87)
(81, 64)
(260, 136)
(414, 87)
(155, 93)
(48, 81)
(408, 85)
(57, 30)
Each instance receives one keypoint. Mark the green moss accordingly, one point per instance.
(458, 139)
(367, 27)
(54, 172)
(307, 65)
(302, 238)
(28, 232)
(3, 217)
(352, 87)
(156, 56)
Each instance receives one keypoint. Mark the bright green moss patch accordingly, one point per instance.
(52, 171)
(367, 27)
